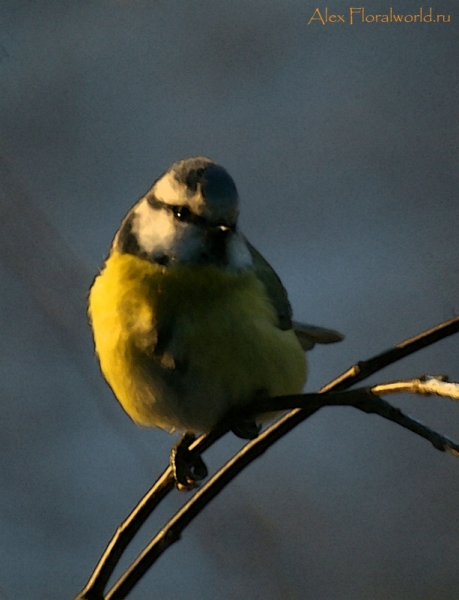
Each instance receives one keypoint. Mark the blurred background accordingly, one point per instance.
(342, 140)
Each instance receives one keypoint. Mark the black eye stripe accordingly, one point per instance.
(155, 203)
(181, 212)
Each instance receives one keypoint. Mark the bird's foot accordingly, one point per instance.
(187, 467)
(246, 428)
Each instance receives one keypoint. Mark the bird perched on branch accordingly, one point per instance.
(190, 322)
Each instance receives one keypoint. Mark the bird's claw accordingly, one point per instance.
(188, 468)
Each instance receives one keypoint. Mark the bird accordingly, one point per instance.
(189, 321)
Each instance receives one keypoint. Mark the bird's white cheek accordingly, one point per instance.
(154, 229)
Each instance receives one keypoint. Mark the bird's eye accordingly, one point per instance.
(182, 213)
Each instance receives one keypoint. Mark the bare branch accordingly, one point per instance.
(376, 405)
(361, 399)
(94, 589)
(425, 386)
(365, 368)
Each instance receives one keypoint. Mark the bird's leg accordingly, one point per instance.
(246, 427)
(188, 468)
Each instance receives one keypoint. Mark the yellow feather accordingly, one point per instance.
(222, 327)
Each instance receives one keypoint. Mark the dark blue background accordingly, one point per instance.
(343, 143)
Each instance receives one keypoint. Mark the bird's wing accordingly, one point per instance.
(274, 288)
(308, 335)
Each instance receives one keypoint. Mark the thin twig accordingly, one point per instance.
(425, 386)
(94, 589)
(375, 404)
(367, 400)
(365, 368)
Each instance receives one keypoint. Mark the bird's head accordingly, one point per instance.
(189, 216)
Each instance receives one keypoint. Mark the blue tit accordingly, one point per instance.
(189, 320)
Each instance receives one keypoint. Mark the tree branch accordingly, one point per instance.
(424, 386)
(365, 368)
(361, 399)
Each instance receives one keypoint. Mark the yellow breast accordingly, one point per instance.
(221, 326)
